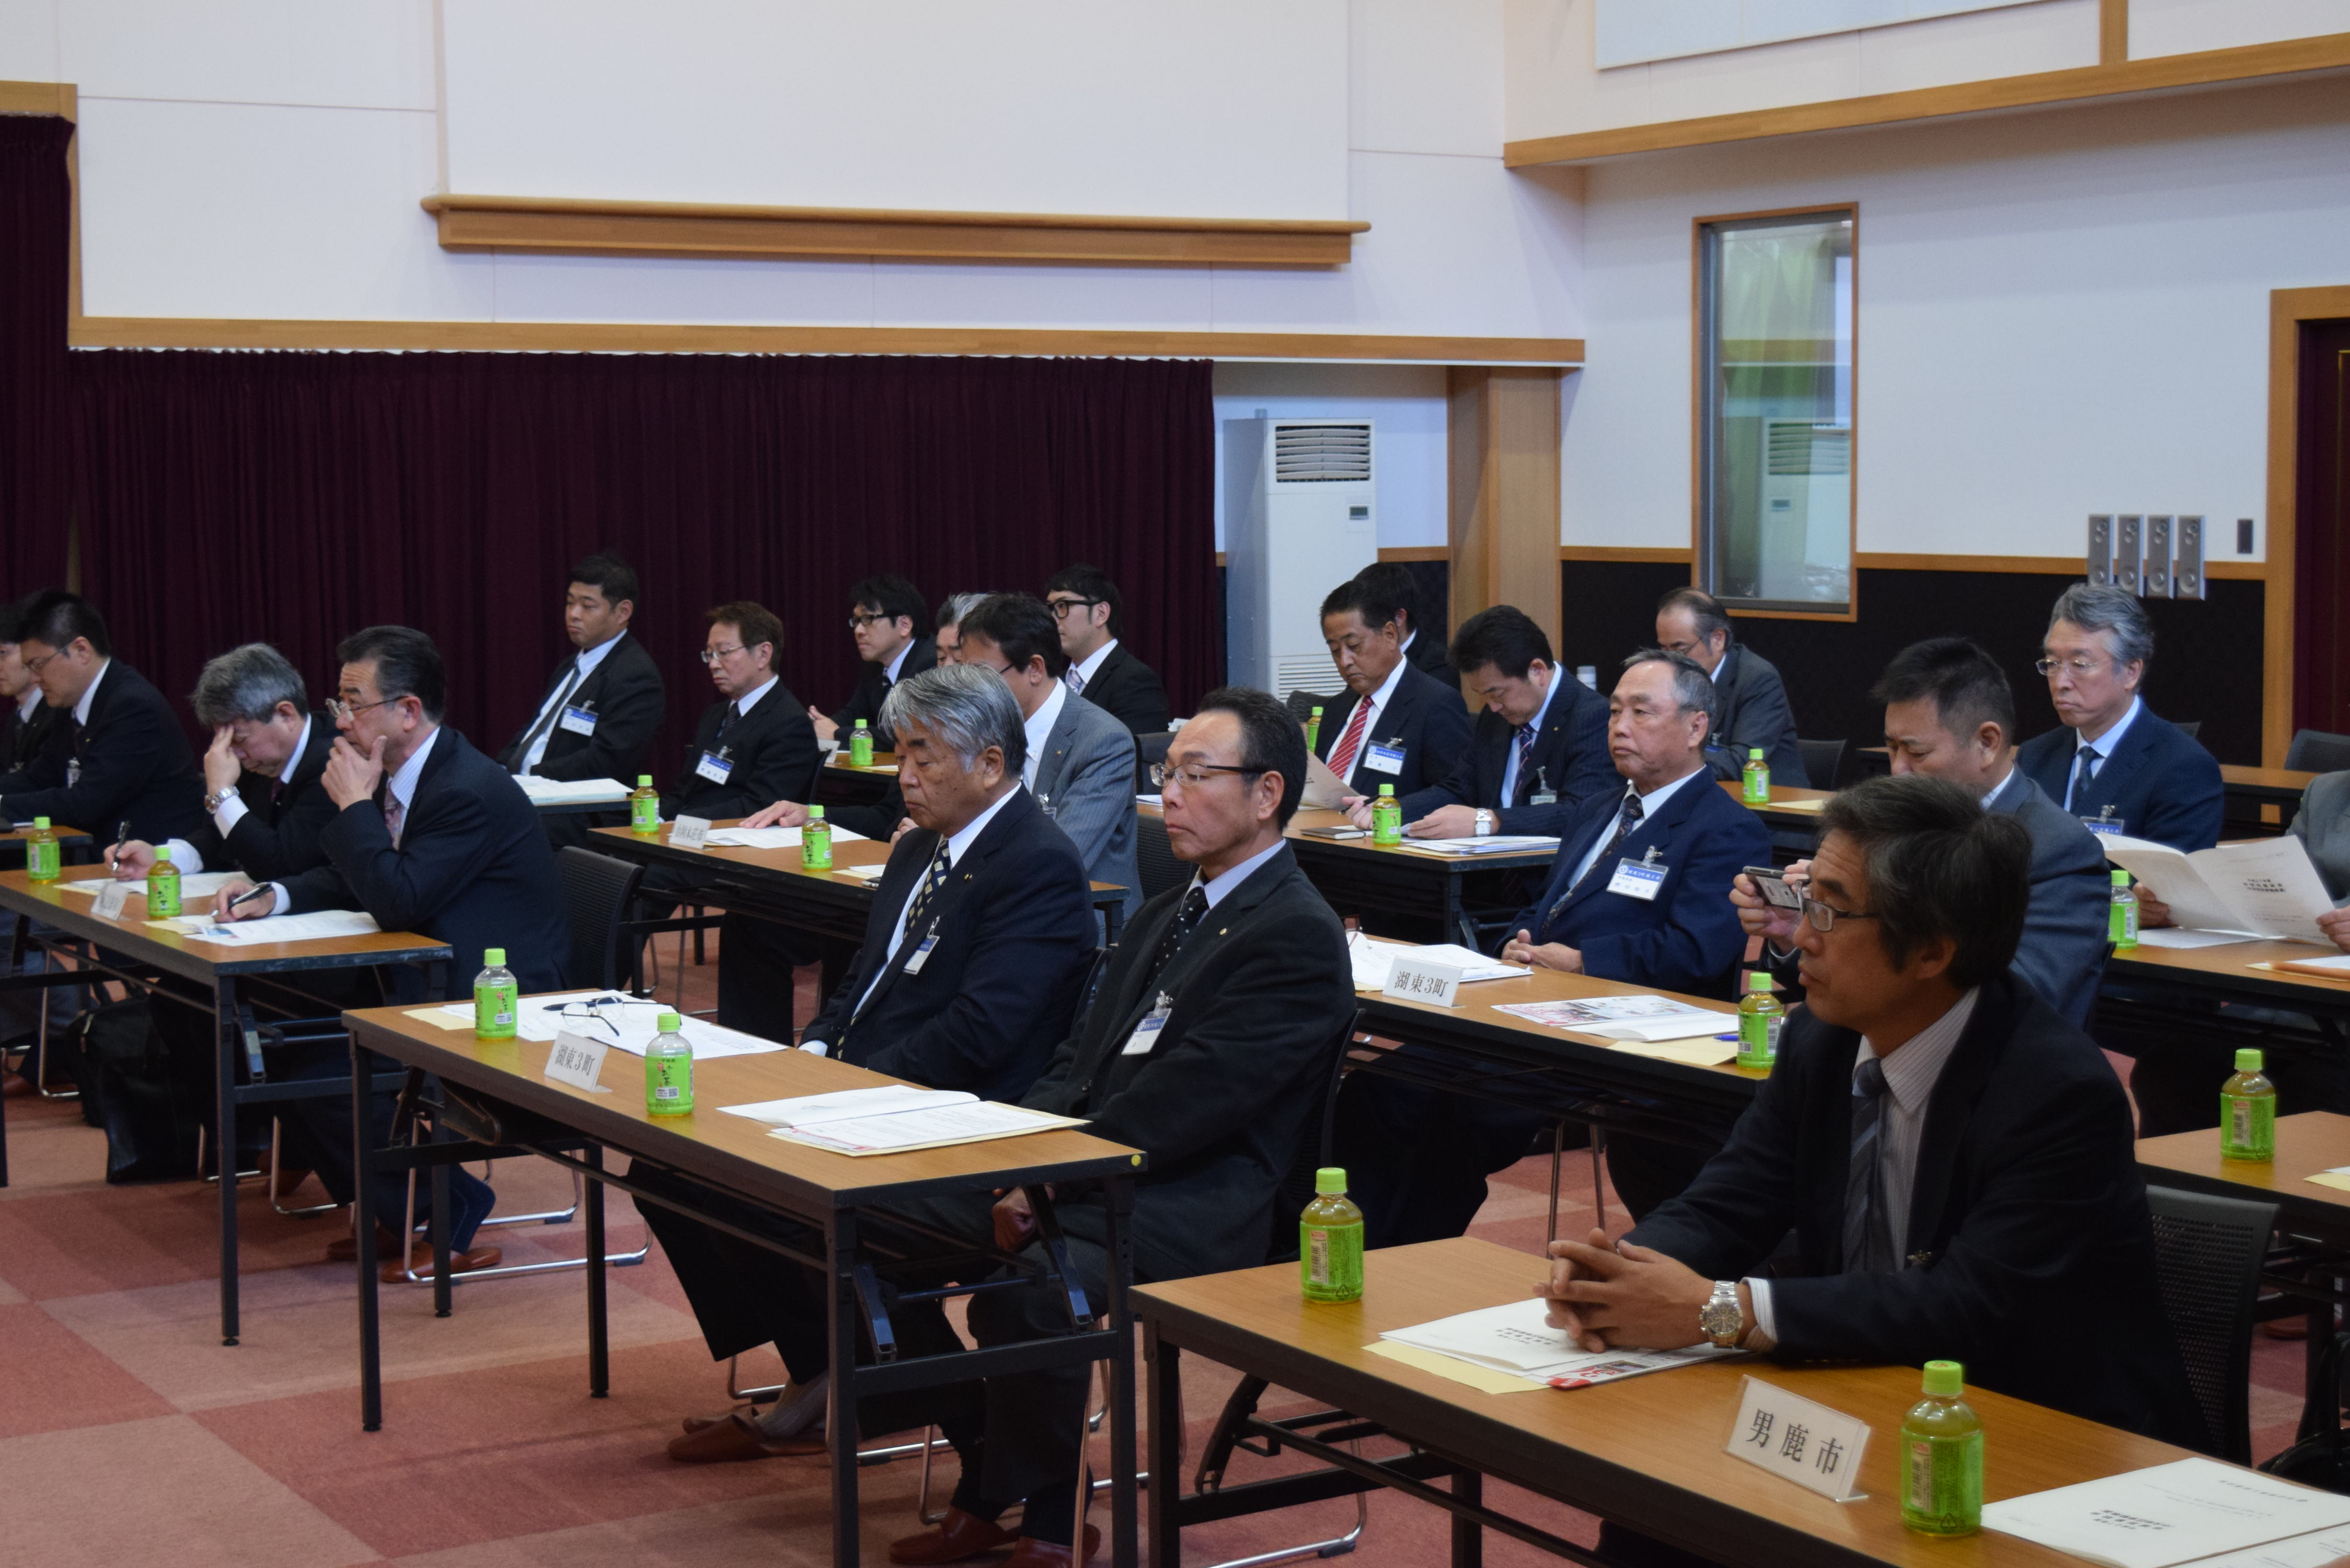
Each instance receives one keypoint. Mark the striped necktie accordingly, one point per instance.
(1626, 820)
(2076, 794)
(1868, 1229)
(1342, 760)
(1525, 784)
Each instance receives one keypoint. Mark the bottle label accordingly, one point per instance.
(2122, 929)
(669, 1083)
(1758, 784)
(1317, 1256)
(162, 896)
(1757, 1038)
(2250, 1124)
(644, 813)
(1386, 823)
(494, 1012)
(815, 846)
(1331, 1260)
(42, 861)
(1941, 1482)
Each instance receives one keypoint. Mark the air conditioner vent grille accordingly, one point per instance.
(1321, 454)
(1799, 448)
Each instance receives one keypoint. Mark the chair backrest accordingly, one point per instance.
(1303, 703)
(1823, 760)
(2207, 1254)
(1149, 750)
(2190, 728)
(600, 892)
(1155, 858)
(2318, 752)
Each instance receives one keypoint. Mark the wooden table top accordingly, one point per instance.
(2236, 967)
(132, 936)
(846, 853)
(1648, 1451)
(883, 762)
(10, 832)
(2307, 1142)
(734, 1151)
(1784, 798)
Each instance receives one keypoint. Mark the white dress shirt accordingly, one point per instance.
(403, 790)
(1509, 768)
(32, 698)
(1085, 669)
(1910, 1074)
(897, 662)
(562, 692)
(1039, 728)
(2105, 745)
(749, 700)
(1220, 887)
(1378, 702)
(89, 692)
(233, 808)
(957, 844)
(1649, 802)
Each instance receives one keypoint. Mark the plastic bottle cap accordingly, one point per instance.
(42, 821)
(2121, 877)
(1330, 1181)
(644, 780)
(1754, 754)
(671, 1023)
(1945, 1379)
(2248, 1059)
(1318, 712)
(1758, 983)
(162, 854)
(815, 813)
(495, 958)
(1387, 789)
(860, 724)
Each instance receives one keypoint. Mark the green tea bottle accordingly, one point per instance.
(669, 1070)
(644, 806)
(816, 842)
(1756, 790)
(2248, 1111)
(163, 886)
(42, 861)
(1313, 729)
(1386, 817)
(1330, 1241)
(2121, 928)
(1760, 1016)
(496, 997)
(860, 746)
(1941, 1457)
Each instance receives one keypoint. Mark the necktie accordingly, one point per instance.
(1342, 760)
(1194, 910)
(1868, 1229)
(1526, 765)
(932, 880)
(2076, 794)
(546, 719)
(277, 788)
(1626, 820)
(395, 816)
(1076, 679)
(728, 717)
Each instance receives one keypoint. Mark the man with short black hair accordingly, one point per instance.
(1750, 701)
(602, 706)
(1393, 581)
(1955, 1161)
(883, 612)
(34, 728)
(2114, 761)
(1102, 669)
(1394, 724)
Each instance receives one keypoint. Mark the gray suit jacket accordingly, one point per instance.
(2065, 925)
(2323, 826)
(1087, 773)
(1750, 708)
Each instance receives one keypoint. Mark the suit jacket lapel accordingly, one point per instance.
(1057, 742)
(2116, 769)
(1949, 1106)
(1655, 829)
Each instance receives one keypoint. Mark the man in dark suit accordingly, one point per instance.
(753, 745)
(1393, 580)
(127, 770)
(1750, 701)
(1102, 669)
(883, 612)
(1950, 714)
(2115, 761)
(1639, 892)
(1954, 1160)
(1394, 724)
(429, 835)
(1537, 751)
(34, 727)
(602, 706)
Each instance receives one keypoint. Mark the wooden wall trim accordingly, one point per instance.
(2288, 308)
(1502, 490)
(2113, 31)
(561, 227)
(1415, 552)
(1680, 553)
(40, 98)
(1884, 561)
(2042, 89)
(629, 338)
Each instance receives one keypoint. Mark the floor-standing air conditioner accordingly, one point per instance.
(1297, 522)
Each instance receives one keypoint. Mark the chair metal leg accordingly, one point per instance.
(611, 1259)
(41, 1039)
(758, 1396)
(276, 1151)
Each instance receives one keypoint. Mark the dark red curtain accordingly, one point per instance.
(36, 218)
(292, 497)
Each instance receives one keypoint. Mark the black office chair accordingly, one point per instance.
(1149, 750)
(2318, 752)
(1302, 704)
(1155, 858)
(1823, 761)
(2207, 1255)
(2190, 728)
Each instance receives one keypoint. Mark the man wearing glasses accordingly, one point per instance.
(34, 728)
(1101, 670)
(883, 612)
(2116, 764)
(1954, 1160)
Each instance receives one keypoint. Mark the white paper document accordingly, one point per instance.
(571, 792)
(931, 1127)
(2318, 1549)
(1494, 844)
(2169, 1514)
(203, 884)
(2337, 966)
(1514, 1338)
(1648, 1018)
(2267, 888)
(625, 1022)
(1372, 961)
(2176, 938)
(317, 925)
(846, 1104)
(1324, 789)
(769, 838)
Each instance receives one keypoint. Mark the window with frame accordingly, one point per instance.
(1777, 294)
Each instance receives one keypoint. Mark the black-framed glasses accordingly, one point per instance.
(343, 713)
(860, 619)
(1822, 918)
(1061, 608)
(1192, 775)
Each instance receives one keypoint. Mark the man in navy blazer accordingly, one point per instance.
(603, 705)
(1393, 724)
(1639, 892)
(1954, 1160)
(431, 837)
(2115, 760)
(1750, 701)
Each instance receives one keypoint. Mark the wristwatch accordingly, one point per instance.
(1719, 1317)
(218, 798)
(1485, 822)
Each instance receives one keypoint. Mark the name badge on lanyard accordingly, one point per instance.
(73, 772)
(921, 953)
(2106, 824)
(578, 719)
(1146, 1033)
(1542, 793)
(715, 766)
(1639, 880)
(1385, 758)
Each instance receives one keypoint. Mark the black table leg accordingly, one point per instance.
(1467, 1535)
(1119, 1191)
(599, 1348)
(363, 1231)
(225, 1044)
(1165, 1416)
(840, 1414)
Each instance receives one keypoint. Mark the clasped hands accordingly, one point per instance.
(1444, 821)
(1615, 1295)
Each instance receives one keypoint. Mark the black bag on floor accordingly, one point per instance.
(113, 1053)
(2321, 1458)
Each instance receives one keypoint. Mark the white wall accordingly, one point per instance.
(2059, 314)
(1409, 459)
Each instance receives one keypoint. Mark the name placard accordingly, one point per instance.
(577, 1061)
(1413, 979)
(111, 900)
(688, 832)
(1799, 1441)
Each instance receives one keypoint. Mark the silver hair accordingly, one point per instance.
(247, 683)
(967, 706)
(2116, 611)
(954, 606)
(1692, 687)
